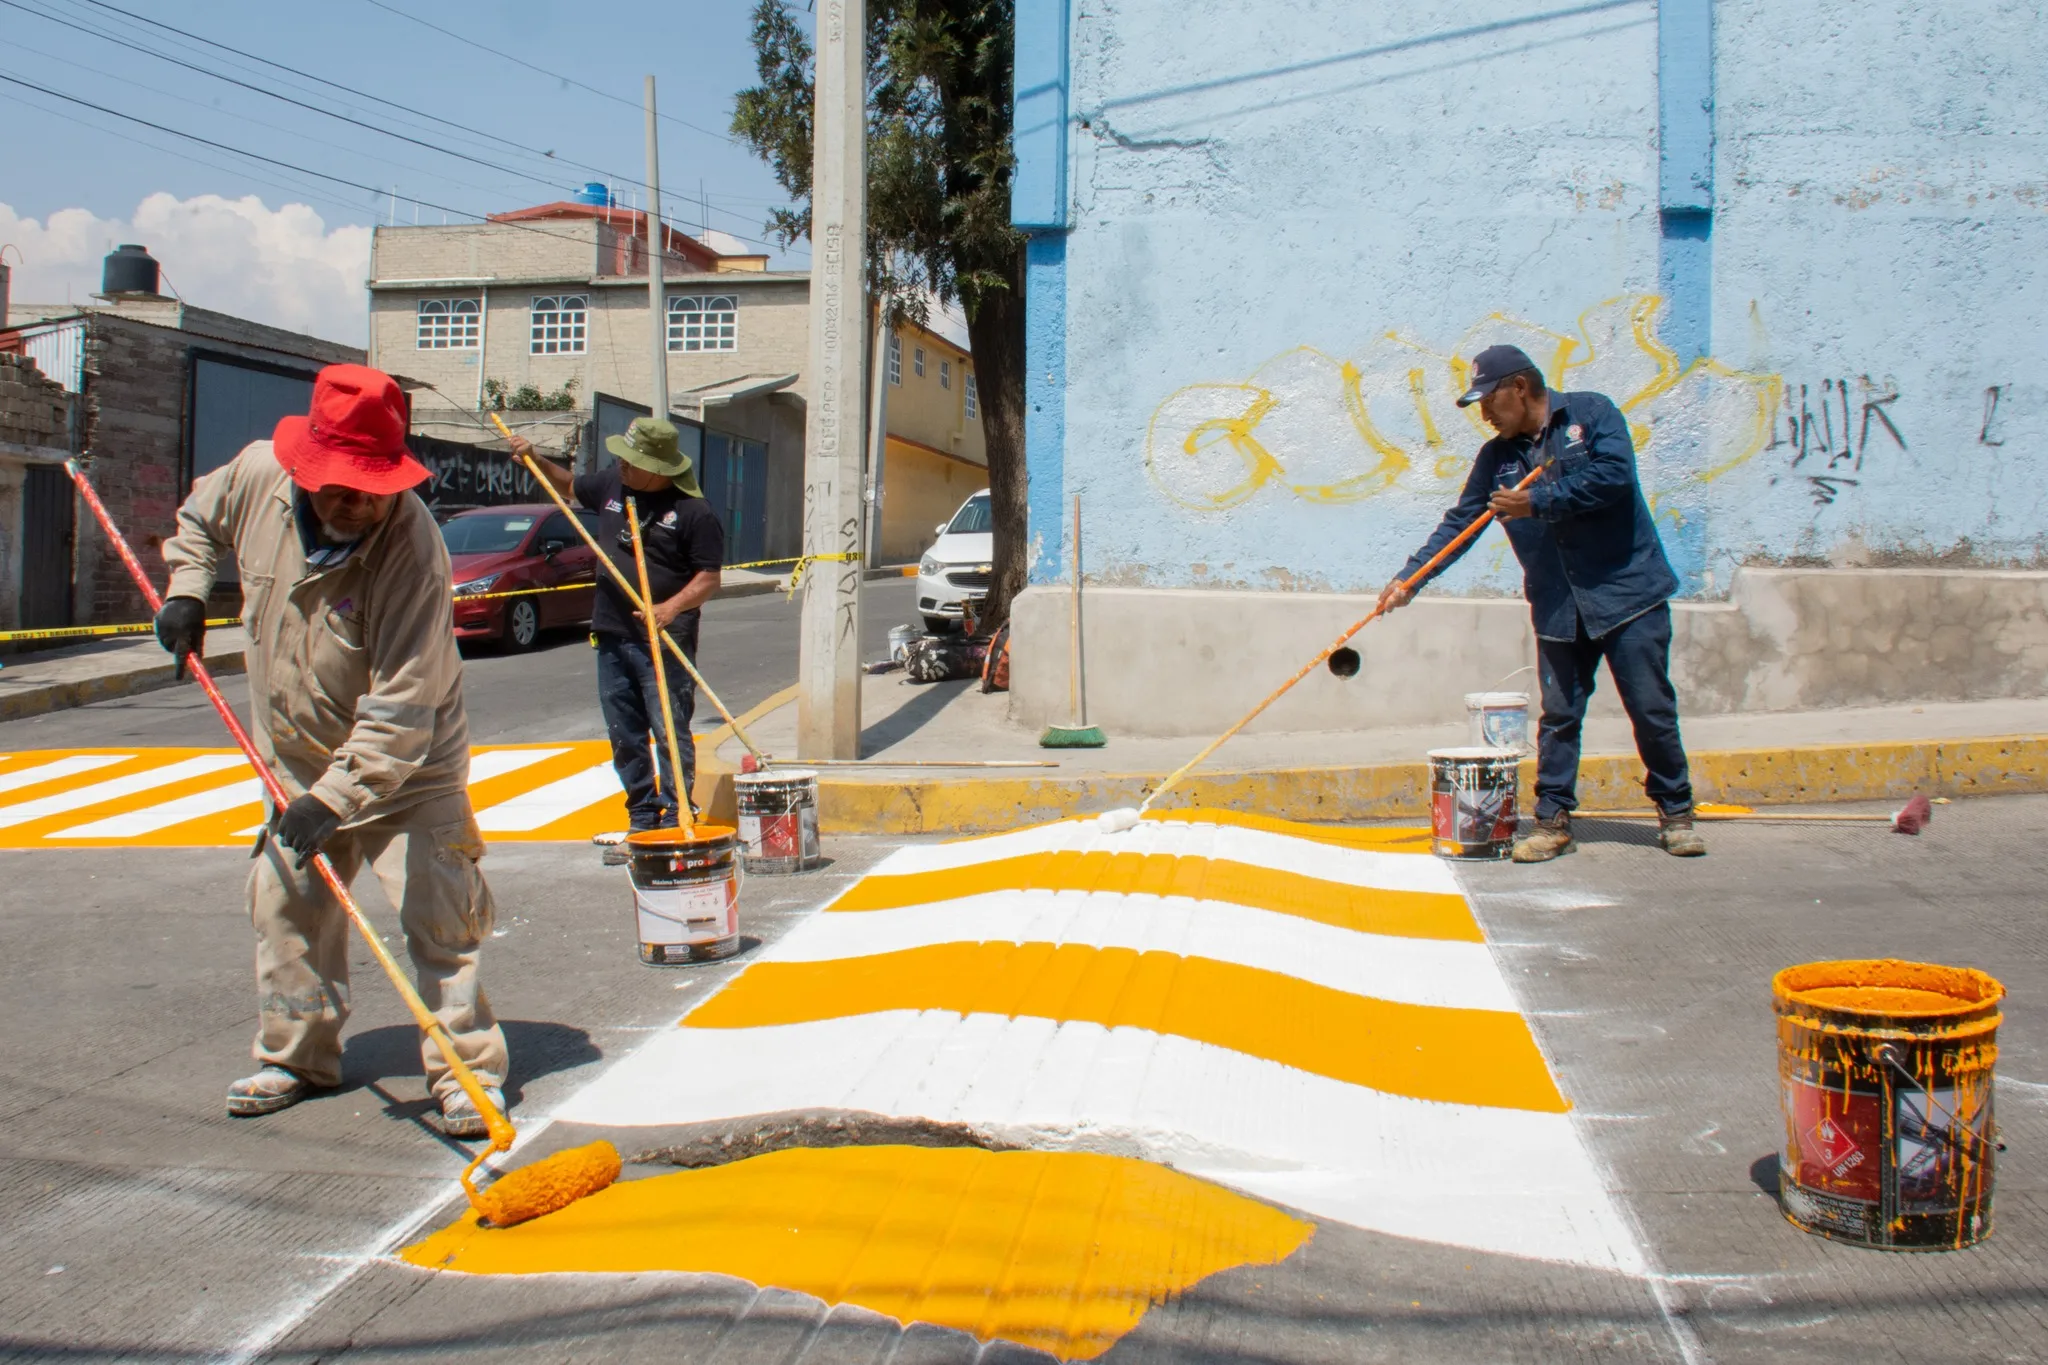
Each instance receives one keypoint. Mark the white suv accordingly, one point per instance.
(957, 569)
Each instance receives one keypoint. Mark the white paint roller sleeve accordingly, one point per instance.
(1117, 821)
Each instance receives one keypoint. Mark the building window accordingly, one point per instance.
(703, 322)
(945, 374)
(973, 400)
(895, 359)
(449, 325)
(917, 361)
(559, 323)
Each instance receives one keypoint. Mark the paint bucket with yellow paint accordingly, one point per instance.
(1498, 720)
(778, 812)
(1472, 802)
(686, 893)
(1884, 1072)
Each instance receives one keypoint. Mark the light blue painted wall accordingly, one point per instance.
(1285, 223)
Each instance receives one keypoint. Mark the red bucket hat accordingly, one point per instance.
(355, 436)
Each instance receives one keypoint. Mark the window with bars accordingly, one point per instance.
(895, 359)
(560, 323)
(449, 325)
(917, 361)
(703, 322)
(973, 400)
(945, 374)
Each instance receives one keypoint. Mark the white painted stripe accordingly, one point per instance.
(63, 767)
(176, 812)
(547, 804)
(490, 763)
(1351, 866)
(115, 788)
(1502, 1180)
(1418, 971)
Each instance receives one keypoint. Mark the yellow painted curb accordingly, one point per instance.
(1997, 765)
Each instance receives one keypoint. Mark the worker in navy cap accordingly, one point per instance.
(1595, 576)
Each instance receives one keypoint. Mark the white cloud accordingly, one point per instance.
(280, 266)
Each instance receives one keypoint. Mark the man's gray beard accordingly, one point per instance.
(334, 537)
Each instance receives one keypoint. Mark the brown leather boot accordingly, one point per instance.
(1676, 836)
(1551, 838)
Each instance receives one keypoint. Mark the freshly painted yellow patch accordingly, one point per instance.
(1367, 910)
(1062, 1251)
(1427, 1052)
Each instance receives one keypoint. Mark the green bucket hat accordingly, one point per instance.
(651, 444)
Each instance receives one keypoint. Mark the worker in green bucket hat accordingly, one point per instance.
(685, 548)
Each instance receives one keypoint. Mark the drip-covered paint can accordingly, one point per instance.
(686, 893)
(900, 640)
(1498, 720)
(1472, 802)
(1884, 1072)
(778, 810)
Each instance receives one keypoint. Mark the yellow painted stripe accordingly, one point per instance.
(1369, 910)
(1061, 1251)
(1375, 838)
(1427, 1052)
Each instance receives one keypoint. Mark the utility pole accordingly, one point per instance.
(657, 306)
(828, 667)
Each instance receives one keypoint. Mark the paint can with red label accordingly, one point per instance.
(778, 812)
(1885, 1072)
(1472, 802)
(686, 893)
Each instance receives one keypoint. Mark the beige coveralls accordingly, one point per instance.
(356, 691)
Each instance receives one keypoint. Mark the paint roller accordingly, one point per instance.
(1910, 818)
(547, 1185)
(1115, 821)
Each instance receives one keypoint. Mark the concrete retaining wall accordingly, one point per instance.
(1192, 661)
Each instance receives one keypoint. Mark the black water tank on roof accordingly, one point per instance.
(129, 269)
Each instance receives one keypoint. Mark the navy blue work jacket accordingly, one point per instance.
(1590, 554)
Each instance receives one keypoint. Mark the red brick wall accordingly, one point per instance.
(135, 432)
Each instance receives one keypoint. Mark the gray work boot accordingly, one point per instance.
(1551, 838)
(269, 1090)
(612, 843)
(1676, 836)
(459, 1118)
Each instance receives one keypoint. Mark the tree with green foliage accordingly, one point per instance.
(938, 199)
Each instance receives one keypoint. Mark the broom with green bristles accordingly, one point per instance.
(1079, 735)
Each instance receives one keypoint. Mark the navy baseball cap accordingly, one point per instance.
(1489, 367)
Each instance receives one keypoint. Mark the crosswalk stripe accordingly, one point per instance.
(499, 762)
(99, 793)
(545, 805)
(175, 812)
(63, 767)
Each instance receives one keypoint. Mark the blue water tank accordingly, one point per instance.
(597, 193)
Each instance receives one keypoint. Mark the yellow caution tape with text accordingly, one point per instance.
(94, 632)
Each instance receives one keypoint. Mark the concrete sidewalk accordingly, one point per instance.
(1952, 749)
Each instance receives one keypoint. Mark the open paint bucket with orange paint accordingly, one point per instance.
(686, 893)
(1884, 1069)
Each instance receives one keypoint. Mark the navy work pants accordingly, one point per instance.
(632, 712)
(1638, 654)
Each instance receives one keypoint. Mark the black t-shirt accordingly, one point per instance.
(682, 538)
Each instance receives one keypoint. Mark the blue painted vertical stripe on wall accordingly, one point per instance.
(1685, 175)
(1038, 136)
(1685, 277)
(1045, 401)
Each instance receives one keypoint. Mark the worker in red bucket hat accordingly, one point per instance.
(355, 690)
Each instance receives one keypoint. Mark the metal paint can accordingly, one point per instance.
(1884, 1076)
(900, 638)
(686, 893)
(1472, 802)
(1498, 720)
(778, 812)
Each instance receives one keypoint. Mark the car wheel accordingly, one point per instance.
(522, 625)
(941, 625)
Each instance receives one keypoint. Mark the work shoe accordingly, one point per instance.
(1676, 836)
(1548, 840)
(269, 1090)
(459, 1118)
(613, 845)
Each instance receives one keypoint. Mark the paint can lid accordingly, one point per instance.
(1474, 753)
(1493, 701)
(777, 776)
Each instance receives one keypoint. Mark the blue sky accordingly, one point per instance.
(84, 177)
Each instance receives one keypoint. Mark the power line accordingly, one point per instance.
(552, 75)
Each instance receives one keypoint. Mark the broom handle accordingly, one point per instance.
(500, 1127)
(1729, 815)
(1413, 581)
(1075, 705)
(655, 635)
(625, 587)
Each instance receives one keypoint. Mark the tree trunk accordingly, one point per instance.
(996, 330)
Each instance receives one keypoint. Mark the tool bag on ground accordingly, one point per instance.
(995, 669)
(944, 658)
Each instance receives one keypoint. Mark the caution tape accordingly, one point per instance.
(94, 632)
(521, 592)
(796, 575)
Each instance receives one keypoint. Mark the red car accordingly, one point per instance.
(527, 545)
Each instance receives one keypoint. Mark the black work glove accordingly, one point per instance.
(304, 826)
(181, 628)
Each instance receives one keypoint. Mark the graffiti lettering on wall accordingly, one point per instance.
(470, 476)
(1336, 431)
(1808, 431)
